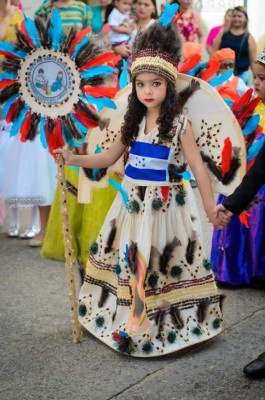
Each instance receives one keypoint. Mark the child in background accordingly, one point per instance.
(120, 22)
(238, 252)
(227, 57)
(147, 275)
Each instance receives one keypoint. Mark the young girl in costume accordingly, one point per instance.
(10, 15)
(238, 252)
(148, 287)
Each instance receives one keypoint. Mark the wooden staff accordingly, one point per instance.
(69, 261)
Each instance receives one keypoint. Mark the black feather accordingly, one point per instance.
(94, 81)
(69, 37)
(22, 42)
(81, 106)
(221, 301)
(50, 125)
(20, 107)
(10, 64)
(42, 31)
(153, 254)
(166, 255)
(71, 188)
(202, 309)
(229, 177)
(174, 170)
(8, 91)
(141, 192)
(103, 297)
(215, 170)
(90, 50)
(190, 250)
(71, 127)
(160, 321)
(34, 123)
(176, 317)
(111, 237)
(186, 93)
(95, 177)
(131, 257)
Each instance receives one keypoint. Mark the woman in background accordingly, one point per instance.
(217, 29)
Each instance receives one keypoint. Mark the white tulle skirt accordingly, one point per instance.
(29, 174)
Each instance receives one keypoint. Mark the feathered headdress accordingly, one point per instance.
(158, 49)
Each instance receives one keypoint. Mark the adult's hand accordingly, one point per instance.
(9, 9)
(219, 208)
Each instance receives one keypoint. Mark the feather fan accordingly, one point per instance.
(212, 166)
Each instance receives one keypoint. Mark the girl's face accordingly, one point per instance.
(144, 9)
(228, 17)
(239, 20)
(104, 3)
(151, 90)
(259, 79)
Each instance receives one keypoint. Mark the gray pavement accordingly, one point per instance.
(38, 360)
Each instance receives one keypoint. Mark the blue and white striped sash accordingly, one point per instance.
(148, 162)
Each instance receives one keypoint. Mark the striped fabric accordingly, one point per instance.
(148, 162)
(77, 13)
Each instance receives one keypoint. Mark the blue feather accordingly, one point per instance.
(55, 30)
(100, 70)
(42, 133)
(32, 31)
(186, 175)
(124, 75)
(219, 79)
(8, 75)
(10, 48)
(95, 170)
(126, 255)
(68, 138)
(82, 128)
(168, 14)
(255, 148)
(100, 102)
(80, 45)
(251, 124)
(18, 122)
(193, 71)
(228, 102)
(119, 188)
(8, 104)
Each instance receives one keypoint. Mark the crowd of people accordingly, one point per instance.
(238, 259)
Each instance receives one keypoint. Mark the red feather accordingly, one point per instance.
(99, 60)
(11, 112)
(244, 217)
(82, 117)
(100, 91)
(7, 54)
(243, 100)
(177, 17)
(55, 139)
(210, 70)
(7, 82)
(189, 64)
(78, 37)
(164, 191)
(117, 337)
(226, 156)
(25, 32)
(247, 111)
(250, 163)
(25, 127)
(226, 92)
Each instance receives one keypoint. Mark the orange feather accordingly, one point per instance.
(88, 122)
(100, 91)
(7, 82)
(244, 218)
(210, 70)
(11, 112)
(226, 156)
(164, 191)
(189, 64)
(99, 60)
(25, 127)
(78, 37)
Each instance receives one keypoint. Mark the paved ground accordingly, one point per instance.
(39, 361)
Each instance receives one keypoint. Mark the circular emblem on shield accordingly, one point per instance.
(49, 80)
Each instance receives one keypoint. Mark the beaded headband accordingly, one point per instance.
(261, 57)
(154, 61)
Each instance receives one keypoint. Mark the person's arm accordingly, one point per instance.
(200, 33)
(122, 29)
(122, 50)
(87, 17)
(217, 40)
(250, 185)
(202, 178)
(252, 49)
(102, 160)
(9, 11)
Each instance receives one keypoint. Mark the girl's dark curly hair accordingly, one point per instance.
(136, 111)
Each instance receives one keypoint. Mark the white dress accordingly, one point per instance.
(149, 289)
(30, 174)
